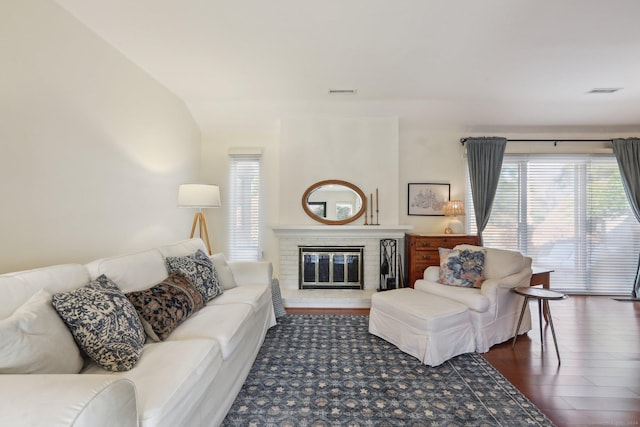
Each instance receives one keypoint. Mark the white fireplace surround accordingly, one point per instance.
(291, 237)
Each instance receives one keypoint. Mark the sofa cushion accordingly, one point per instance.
(171, 379)
(224, 271)
(199, 268)
(35, 340)
(19, 286)
(254, 295)
(226, 324)
(182, 248)
(132, 272)
(166, 305)
(462, 267)
(471, 297)
(103, 322)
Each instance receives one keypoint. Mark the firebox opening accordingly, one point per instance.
(331, 267)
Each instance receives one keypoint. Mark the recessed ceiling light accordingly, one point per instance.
(605, 90)
(343, 91)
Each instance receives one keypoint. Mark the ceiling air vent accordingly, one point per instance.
(605, 90)
(343, 91)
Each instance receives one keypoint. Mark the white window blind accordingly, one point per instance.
(244, 207)
(570, 214)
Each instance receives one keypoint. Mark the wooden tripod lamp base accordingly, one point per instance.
(199, 196)
(200, 221)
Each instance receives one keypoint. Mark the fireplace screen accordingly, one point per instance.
(334, 267)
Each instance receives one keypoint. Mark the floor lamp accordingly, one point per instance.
(200, 196)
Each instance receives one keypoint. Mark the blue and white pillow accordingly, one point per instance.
(462, 267)
(276, 296)
(199, 268)
(103, 322)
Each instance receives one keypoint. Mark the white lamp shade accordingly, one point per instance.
(198, 196)
(454, 208)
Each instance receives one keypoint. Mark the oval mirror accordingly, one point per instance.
(334, 202)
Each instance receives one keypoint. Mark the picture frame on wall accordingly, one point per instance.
(427, 199)
(318, 208)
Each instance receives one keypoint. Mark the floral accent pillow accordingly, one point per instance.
(166, 305)
(199, 268)
(103, 322)
(462, 267)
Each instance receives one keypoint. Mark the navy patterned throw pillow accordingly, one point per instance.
(166, 305)
(103, 322)
(199, 268)
(462, 267)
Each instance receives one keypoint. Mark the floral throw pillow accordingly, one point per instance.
(103, 322)
(199, 268)
(462, 267)
(166, 305)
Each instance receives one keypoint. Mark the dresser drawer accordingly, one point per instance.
(427, 257)
(433, 243)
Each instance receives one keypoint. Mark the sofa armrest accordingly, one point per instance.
(67, 400)
(432, 274)
(521, 278)
(251, 272)
(471, 297)
(498, 291)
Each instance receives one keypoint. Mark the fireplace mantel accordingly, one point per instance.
(342, 231)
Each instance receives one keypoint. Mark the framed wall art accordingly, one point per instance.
(318, 208)
(428, 199)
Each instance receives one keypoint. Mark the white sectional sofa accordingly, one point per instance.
(189, 379)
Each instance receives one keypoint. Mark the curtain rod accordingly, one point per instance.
(555, 141)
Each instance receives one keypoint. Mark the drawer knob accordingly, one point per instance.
(426, 244)
(426, 257)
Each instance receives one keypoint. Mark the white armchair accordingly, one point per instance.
(493, 308)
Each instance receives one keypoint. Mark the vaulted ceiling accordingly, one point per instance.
(523, 65)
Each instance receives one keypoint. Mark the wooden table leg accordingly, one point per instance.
(524, 308)
(553, 331)
(540, 304)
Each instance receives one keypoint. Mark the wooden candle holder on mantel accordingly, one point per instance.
(370, 211)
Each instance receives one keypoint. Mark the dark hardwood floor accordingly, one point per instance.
(598, 382)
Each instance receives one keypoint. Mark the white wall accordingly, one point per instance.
(92, 148)
(430, 156)
(302, 150)
(359, 150)
(215, 170)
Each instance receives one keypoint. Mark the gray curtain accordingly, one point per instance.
(627, 152)
(484, 157)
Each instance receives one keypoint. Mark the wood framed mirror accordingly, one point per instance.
(334, 202)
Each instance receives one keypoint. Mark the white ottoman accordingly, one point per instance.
(426, 326)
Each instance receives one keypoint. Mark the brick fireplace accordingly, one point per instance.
(292, 238)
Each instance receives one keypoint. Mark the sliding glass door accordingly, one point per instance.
(570, 214)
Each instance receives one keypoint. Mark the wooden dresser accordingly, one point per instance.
(421, 251)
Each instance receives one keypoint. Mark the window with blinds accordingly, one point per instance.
(569, 213)
(244, 207)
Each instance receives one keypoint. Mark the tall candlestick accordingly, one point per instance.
(371, 197)
(371, 200)
(365, 213)
(377, 200)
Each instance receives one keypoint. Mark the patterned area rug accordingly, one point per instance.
(327, 370)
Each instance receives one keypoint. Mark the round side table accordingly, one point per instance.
(543, 296)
